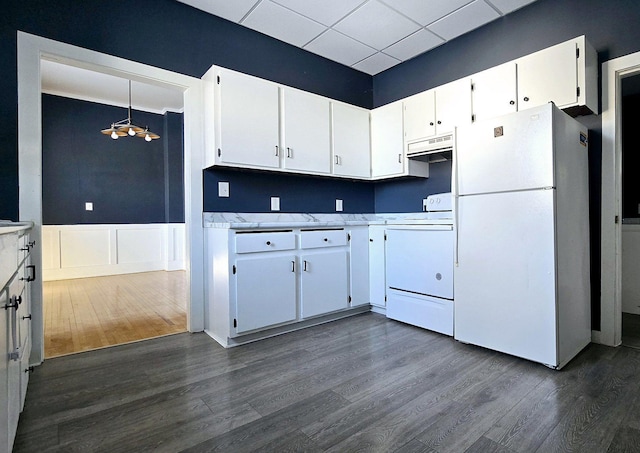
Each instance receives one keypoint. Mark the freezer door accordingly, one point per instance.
(511, 152)
(505, 280)
(420, 260)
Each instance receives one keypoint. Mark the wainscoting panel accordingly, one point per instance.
(85, 248)
(79, 251)
(139, 245)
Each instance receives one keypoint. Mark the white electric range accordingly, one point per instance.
(419, 268)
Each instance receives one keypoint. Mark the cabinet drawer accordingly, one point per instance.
(323, 238)
(265, 241)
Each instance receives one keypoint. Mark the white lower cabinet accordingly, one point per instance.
(377, 277)
(15, 331)
(259, 281)
(265, 292)
(323, 283)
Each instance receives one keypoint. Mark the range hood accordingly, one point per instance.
(435, 149)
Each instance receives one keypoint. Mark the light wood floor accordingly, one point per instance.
(90, 313)
(362, 384)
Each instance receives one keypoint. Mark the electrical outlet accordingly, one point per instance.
(223, 189)
(275, 203)
(88, 206)
(338, 205)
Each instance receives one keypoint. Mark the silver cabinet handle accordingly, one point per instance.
(399, 158)
(268, 242)
(277, 151)
(337, 162)
(305, 266)
(289, 153)
(293, 266)
(526, 99)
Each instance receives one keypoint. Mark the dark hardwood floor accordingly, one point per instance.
(359, 384)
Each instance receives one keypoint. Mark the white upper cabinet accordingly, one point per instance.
(420, 116)
(551, 75)
(437, 111)
(387, 156)
(351, 147)
(453, 105)
(565, 74)
(494, 92)
(254, 123)
(248, 112)
(306, 126)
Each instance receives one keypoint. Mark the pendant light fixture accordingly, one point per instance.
(125, 127)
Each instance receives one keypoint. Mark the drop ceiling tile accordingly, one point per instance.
(283, 24)
(507, 6)
(327, 12)
(465, 19)
(376, 63)
(340, 48)
(233, 11)
(376, 25)
(413, 45)
(427, 12)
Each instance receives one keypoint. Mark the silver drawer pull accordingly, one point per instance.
(268, 242)
(326, 240)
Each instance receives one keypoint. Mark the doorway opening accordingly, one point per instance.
(113, 211)
(32, 50)
(630, 116)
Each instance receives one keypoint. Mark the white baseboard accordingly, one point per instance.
(79, 251)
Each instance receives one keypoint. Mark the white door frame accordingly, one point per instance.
(613, 71)
(31, 49)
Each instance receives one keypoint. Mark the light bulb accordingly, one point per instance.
(114, 135)
(147, 138)
(131, 132)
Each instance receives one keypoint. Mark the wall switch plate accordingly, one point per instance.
(275, 203)
(88, 206)
(424, 204)
(338, 205)
(223, 189)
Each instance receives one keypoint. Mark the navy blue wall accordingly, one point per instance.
(252, 191)
(406, 195)
(162, 33)
(128, 180)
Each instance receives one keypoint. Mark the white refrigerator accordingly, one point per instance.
(521, 279)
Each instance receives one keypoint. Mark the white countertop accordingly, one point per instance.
(11, 227)
(235, 220)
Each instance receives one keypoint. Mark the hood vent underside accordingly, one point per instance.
(435, 149)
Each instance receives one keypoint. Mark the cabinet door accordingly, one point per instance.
(351, 144)
(377, 282)
(323, 283)
(453, 105)
(359, 266)
(5, 346)
(24, 323)
(419, 116)
(306, 132)
(494, 92)
(387, 156)
(265, 291)
(548, 75)
(249, 124)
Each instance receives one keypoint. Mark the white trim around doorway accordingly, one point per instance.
(613, 71)
(31, 50)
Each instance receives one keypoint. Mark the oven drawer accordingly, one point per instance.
(422, 311)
